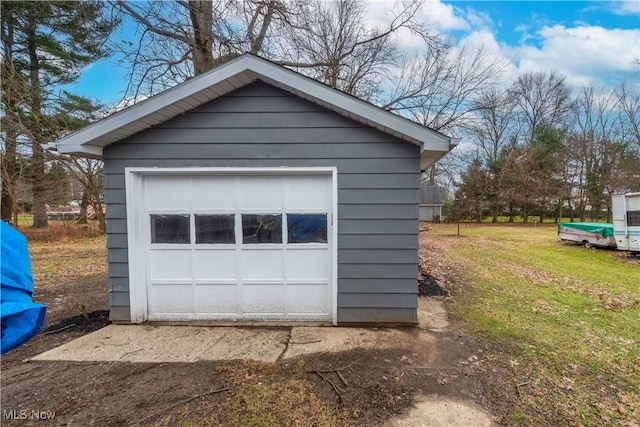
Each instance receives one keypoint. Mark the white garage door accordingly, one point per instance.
(236, 247)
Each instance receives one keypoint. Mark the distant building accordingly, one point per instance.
(431, 200)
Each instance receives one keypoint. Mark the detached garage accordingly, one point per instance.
(253, 193)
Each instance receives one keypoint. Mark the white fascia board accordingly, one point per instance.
(80, 150)
(149, 106)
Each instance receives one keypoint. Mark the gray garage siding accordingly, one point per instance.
(261, 126)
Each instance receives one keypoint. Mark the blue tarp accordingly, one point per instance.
(21, 319)
(305, 226)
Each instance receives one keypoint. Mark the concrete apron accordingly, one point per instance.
(162, 343)
(150, 343)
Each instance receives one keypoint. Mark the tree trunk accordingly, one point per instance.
(37, 164)
(82, 218)
(8, 201)
(9, 164)
(97, 207)
(94, 197)
(257, 41)
(39, 187)
(201, 14)
(559, 212)
(431, 174)
(608, 202)
(572, 215)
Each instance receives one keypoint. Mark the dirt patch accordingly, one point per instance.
(428, 286)
(359, 387)
(69, 316)
(630, 257)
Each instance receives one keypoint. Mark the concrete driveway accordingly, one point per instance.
(161, 344)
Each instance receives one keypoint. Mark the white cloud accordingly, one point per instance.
(582, 53)
(482, 38)
(443, 17)
(625, 7)
(495, 51)
(478, 19)
(438, 18)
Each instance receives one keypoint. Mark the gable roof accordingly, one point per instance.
(246, 69)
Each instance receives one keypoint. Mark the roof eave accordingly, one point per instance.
(103, 131)
(80, 150)
(229, 77)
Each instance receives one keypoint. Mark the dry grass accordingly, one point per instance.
(68, 260)
(260, 395)
(64, 252)
(61, 231)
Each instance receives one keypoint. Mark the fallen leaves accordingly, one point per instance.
(541, 306)
(612, 303)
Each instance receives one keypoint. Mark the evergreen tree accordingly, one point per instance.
(45, 44)
(57, 184)
(471, 196)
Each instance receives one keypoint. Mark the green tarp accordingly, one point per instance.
(605, 230)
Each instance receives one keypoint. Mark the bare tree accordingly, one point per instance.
(329, 41)
(339, 48)
(443, 88)
(332, 42)
(599, 148)
(542, 98)
(495, 123)
(90, 173)
(179, 39)
(10, 119)
(628, 100)
(492, 130)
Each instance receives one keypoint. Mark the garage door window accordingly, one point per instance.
(170, 229)
(211, 229)
(307, 228)
(261, 228)
(256, 228)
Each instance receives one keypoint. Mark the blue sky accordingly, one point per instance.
(585, 40)
(588, 41)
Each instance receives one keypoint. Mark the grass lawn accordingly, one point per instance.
(67, 261)
(566, 321)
